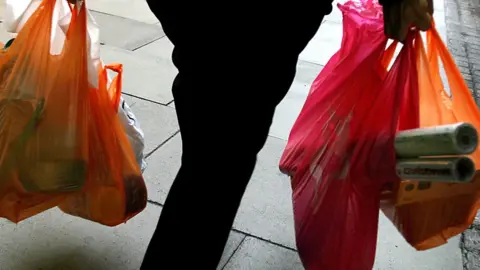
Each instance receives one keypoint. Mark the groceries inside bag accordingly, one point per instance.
(439, 195)
(359, 145)
(17, 14)
(115, 190)
(340, 152)
(61, 139)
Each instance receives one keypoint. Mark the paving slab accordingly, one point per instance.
(4, 35)
(158, 122)
(266, 209)
(132, 9)
(394, 253)
(162, 48)
(324, 44)
(144, 76)
(53, 240)
(129, 99)
(336, 16)
(288, 110)
(235, 239)
(256, 254)
(2, 9)
(126, 33)
(162, 168)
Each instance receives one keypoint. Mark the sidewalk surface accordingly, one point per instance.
(463, 31)
(263, 233)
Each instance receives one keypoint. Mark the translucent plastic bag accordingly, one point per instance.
(61, 138)
(442, 210)
(44, 117)
(340, 152)
(17, 14)
(115, 190)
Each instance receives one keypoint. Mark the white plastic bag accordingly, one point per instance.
(133, 130)
(16, 15)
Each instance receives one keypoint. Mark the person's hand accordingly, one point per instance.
(401, 15)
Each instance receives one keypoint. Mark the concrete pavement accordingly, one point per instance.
(263, 233)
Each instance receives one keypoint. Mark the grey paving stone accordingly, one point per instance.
(53, 240)
(336, 16)
(234, 241)
(132, 9)
(158, 122)
(266, 209)
(394, 253)
(324, 44)
(4, 35)
(256, 254)
(162, 48)
(125, 33)
(129, 99)
(287, 111)
(144, 76)
(2, 9)
(162, 168)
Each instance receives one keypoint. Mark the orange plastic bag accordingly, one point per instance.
(43, 118)
(61, 141)
(429, 217)
(115, 190)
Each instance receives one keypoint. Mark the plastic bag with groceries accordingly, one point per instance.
(61, 138)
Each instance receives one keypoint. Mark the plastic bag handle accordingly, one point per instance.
(438, 50)
(77, 8)
(115, 88)
(433, 60)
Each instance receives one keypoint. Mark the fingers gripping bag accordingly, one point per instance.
(17, 14)
(340, 152)
(43, 117)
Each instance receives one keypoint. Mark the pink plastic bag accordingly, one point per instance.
(340, 151)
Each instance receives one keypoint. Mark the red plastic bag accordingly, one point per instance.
(340, 152)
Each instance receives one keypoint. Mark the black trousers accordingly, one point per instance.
(236, 62)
